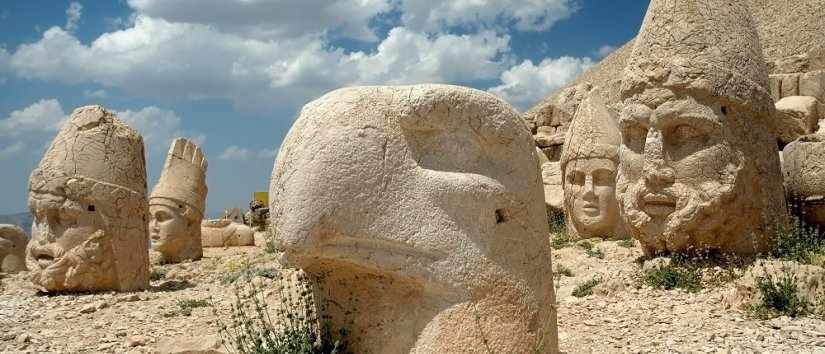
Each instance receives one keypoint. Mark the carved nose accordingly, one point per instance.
(657, 172)
(589, 193)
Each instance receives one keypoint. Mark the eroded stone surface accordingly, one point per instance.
(177, 204)
(226, 233)
(698, 167)
(551, 179)
(88, 197)
(13, 241)
(804, 168)
(588, 165)
(418, 210)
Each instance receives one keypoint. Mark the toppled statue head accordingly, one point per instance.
(88, 198)
(588, 163)
(698, 170)
(177, 203)
(13, 241)
(419, 211)
(804, 168)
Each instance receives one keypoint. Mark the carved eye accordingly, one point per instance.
(603, 177)
(633, 136)
(576, 178)
(684, 132)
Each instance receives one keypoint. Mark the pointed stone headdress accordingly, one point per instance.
(183, 180)
(699, 47)
(593, 133)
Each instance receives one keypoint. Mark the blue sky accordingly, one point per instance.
(232, 74)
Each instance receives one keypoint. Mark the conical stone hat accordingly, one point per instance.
(701, 48)
(183, 180)
(593, 133)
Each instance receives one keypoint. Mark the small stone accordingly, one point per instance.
(88, 308)
(136, 341)
(23, 338)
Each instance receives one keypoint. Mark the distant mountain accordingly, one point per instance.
(23, 220)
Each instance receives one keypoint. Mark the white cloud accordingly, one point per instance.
(44, 116)
(234, 152)
(73, 14)
(524, 15)
(100, 93)
(525, 84)
(158, 127)
(11, 150)
(605, 50)
(262, 19)
(159, 59)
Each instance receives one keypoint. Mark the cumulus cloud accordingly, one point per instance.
(605, 50)
(160, 59)
(263, 19)
(525, 84)
(524, 15)
(235, 152)
(11, 150)
(44, 116)
(73, 14)
(158, 127)
(100, 93)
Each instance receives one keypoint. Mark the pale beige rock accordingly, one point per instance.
(804, 168)
(418, 210)
(588, 165)
(803, 109)
(551, 179)
(88, 197)
(813, 84)
(177, 204)
(207, 344)
(698, 169)
(552, 120)
(226, 233)
(13, 243)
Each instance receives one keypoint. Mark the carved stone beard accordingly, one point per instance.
(700, 217)
(87, 266)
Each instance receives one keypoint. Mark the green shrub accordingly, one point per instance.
(780, 298)
(158, 273)
(594, 252)
(628, 242)
(561, 240)
(232, 277)
(185, 306)
(586, 288)
(798, 242)
(673, 276)
(293, 328)
(561, 269)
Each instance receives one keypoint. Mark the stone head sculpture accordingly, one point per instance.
(804, 168)
(698, 168)
(588, 164)
(88, 198)
(177, 203)
(419, 211)
(12, 249)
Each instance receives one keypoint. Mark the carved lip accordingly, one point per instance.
(659, 204)
(44, 256)
(590, 208)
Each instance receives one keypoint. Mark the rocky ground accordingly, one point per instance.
(622, 314)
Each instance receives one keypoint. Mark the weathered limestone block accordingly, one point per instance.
(790, 85)
(588, 166)
(88, 197)
(177, 203)
(808, 279)
(813, 84)
(802, 109)
(551, 179)
(698, 167)
(226, 233)
(418, 210)
(13, 243)
(552, 119)
(804, 168)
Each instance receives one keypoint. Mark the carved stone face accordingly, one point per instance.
(69, 247)
(679, 168)
(168, 228)
(592, 194)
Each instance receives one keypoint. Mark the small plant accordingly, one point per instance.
(294, 328)
(586, 288)
(556, 221)
(798, 242)
(780, 298)
(158, 273)
(561, 240)
(232, 277)
(185, 307)
(627, 242)
(594, 252)
(674, 276)
(561, 269)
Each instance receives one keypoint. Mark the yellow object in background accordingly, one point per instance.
(262, 197)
